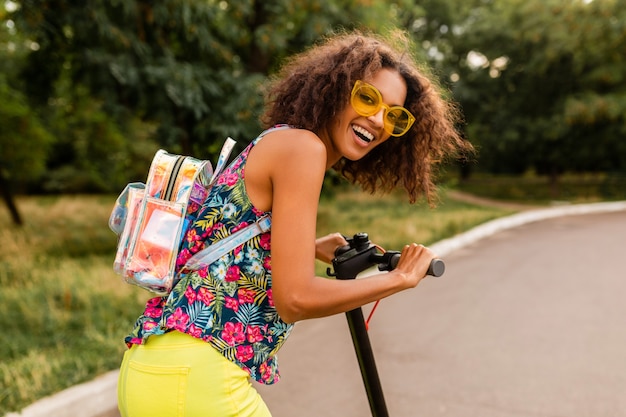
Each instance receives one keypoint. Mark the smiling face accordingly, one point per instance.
(352, 136)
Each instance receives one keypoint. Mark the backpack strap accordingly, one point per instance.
(227, 148)
(218, 249)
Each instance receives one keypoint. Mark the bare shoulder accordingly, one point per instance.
(282, 163)
(291, 151)
(292, 143)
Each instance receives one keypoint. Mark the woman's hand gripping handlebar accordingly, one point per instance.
(360, 254)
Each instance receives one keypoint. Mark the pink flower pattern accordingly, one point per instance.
(190, 294)
(253, 334)
(265, 241)
(178, 320)
(244, 353)
(205, 295)
(233, 273)
(233, 333)
(232, 303)
(246, 295)
(194, 331)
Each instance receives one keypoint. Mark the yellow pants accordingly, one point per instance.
(176, 375)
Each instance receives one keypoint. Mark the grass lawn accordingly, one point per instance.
(532, 188)
(64, 312)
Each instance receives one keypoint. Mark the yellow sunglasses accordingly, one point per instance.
(367, 101)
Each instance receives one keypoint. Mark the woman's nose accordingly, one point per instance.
(378, 118)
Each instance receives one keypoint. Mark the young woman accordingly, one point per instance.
(354, 104)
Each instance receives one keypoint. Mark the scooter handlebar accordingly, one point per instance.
(360, 254)
(436, 268)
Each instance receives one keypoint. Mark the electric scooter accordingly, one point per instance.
(359, 255)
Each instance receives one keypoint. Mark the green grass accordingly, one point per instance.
(64, 313)
(534, 189)
(392, 223)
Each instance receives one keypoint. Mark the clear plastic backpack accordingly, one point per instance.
(151, 218)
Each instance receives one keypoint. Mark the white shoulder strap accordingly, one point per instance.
(227, 148)
(215, 251)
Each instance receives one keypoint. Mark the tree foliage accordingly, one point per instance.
(544, 84)
(24, 142)
(194, 67)
(187, 73)
(541, 82)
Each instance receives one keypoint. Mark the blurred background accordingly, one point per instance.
(89, 90)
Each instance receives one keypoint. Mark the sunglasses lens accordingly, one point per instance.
(365, 101)
(397, 121)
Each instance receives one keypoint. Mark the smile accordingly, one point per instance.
(362, 133)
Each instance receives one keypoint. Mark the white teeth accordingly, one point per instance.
(363, 133)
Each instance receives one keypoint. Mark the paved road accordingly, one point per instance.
(526, 323)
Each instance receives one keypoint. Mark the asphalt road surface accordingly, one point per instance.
(527, 323)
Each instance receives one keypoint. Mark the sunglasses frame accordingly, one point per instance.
(388, 126)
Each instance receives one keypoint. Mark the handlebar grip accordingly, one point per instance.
(436, 268)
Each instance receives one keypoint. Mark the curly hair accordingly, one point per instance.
(313, 86)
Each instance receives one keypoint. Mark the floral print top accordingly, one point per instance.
(228, 303)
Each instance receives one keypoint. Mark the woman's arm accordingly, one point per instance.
(295, 162)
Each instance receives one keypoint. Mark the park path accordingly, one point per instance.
(526, 323)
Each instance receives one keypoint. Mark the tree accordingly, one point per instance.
(23, 140)
(23, 144)
(543, 85)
